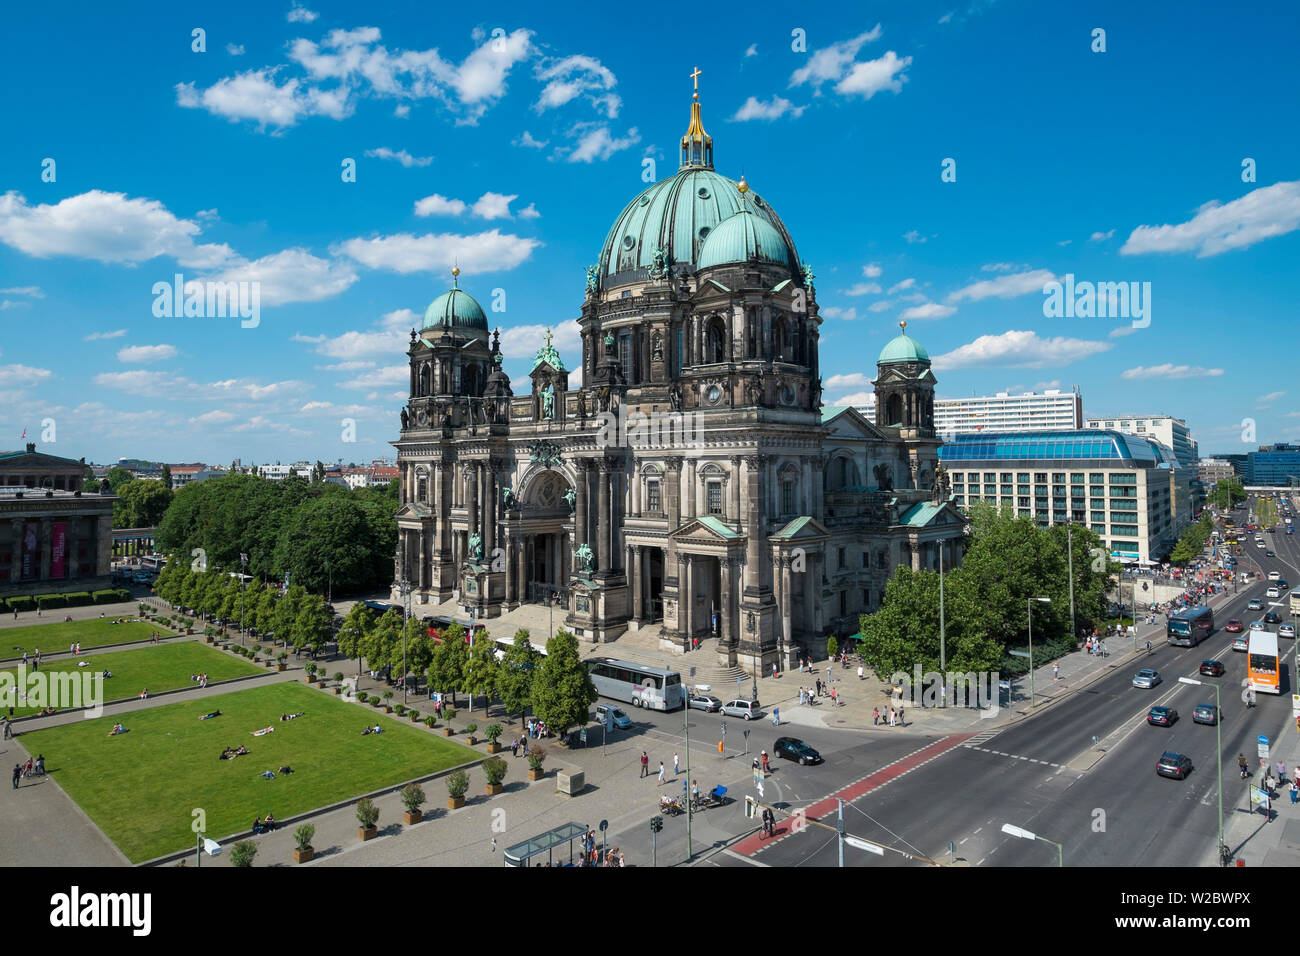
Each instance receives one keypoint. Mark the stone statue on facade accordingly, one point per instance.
(657, 347)
(548, 400)
(508, 498)
(571, 498)
(659, 264)
(675, 397)
(584, 558)
(593, 279)
(476, 547)
(942, 492)
(884, 478)
(406, 418)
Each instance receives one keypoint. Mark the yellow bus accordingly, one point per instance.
(1262, 665)
(1295, 602)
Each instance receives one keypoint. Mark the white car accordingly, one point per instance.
(1275, 575)
(1286, 630)
(1272, 592)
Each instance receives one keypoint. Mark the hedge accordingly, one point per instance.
(113, 596)
(22, 603)
(47, 601)
(78, 598)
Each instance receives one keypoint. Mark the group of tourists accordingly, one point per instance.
(893, 715)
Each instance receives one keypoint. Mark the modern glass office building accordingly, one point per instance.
(1275, 465)
(1129, 489)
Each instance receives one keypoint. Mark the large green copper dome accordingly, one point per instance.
(746, 237)
(677, 214)
(455, 309)
(903, 348)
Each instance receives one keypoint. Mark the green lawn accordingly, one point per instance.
(155, 667)
(52, 638)
(141, 787)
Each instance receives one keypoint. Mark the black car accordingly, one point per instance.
(1212, 668)
(1174, 765)
(1162, 716)
(1271, 618)
(1205, 714)
(794, 749)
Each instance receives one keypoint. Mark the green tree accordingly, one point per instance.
(904, 632)
(117, 477)
(518, 670)
(167, 477)
(563, 692)
(286, 613)
(311, 628)
(377, 647)
(141, 504)
(419, 648)
(352, 635)
(447, 669)
(264, 615)
(482, 672)
(1226, 494)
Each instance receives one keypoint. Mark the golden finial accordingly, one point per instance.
(455, 275)
(696, 77)
(742, 186)
(903, 325)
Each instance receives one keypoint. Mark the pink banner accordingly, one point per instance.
(58, 549)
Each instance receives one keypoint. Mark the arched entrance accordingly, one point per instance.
(540, 538)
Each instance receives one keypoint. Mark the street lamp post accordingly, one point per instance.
(1030, 604)
(404, 589)
(243, 588)
(1024, 834)
(1218, 728)
(943, 664)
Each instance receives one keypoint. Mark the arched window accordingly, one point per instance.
(894, 410)
(715, 337)
(780, 339)
(424, 387)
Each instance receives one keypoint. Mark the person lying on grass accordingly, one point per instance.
(301, 713)
(117, 729)
(215, 713)
(372, 730)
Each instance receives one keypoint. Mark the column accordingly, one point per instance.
(689, 478)
(787, 599)
(809, 599)
(490, 498)
(471, 501)
(818, 487)
(16, 559)
(580, 529)
(637, 611)
(671, 490)
(507, 545)
(603, 517)
(44, 545)
(734, 480)
(637, 481)
(726, 601)
(754, 465)
(421, 576)
(686, 596)
(805, 472)
(521, 571)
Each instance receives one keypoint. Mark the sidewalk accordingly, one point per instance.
(1251, 840)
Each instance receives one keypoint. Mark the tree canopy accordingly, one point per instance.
(563, 692)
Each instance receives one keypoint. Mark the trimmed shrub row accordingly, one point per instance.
(28, 602)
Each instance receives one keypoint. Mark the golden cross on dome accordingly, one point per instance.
(696, 77)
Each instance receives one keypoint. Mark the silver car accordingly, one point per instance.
(705, 702)
(1146, 678)
(748, 709)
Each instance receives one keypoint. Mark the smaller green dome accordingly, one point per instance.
(744, 237)
(455, 309)
(903, 348)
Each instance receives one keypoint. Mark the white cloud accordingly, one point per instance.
(752, 50)
(94, 336)
(527, 140)
(437, 205)
(294, 275)
(235, 49)
(23, 376)
(352, 366)
(107, 227)
(402, 156)
(1043, 386)
(215, 417)
(490, 251)
(833, 62)
(300, 14)
(33, 290)
(1101, 236)
(929, 310)
(146, 353)
(753, 108)
(572, 76)
(913, 236)
(12, 304)
(596, 142)
(901, 286)
(1019, 349)
(857, 398)
(1121, 331)
(872, 77)
(493, 206)
(852, 380)
(1004, 286)
(1217, 227)
(380, 377)
(255, 95)
(523, 341)
(1269, 399)
(863, 288)
(1065, 242)
(1169, 370)
(836, 312)
(871, 270)
(530, 212)
(999, 267)
(880, 306)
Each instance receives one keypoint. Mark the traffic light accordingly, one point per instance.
(751, 808)
(656, 824)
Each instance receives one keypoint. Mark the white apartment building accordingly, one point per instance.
(1162, 428)
(1051, 410)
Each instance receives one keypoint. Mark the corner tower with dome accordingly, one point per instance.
(746, 516)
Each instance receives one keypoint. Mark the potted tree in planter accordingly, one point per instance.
(430, 721)
(492, 732)
(457, 784)
(257, 649)
(536, 758)
(280, 661)
(412, 798)
(362, 697)
(242, 853)
(311, 673)
(413, 714)
(494, 768)
(367, 817)
(469, 731)
(376, 701)
(388, 706)
(302, 851)
(338, 683)
(400, 710)
(448, 714)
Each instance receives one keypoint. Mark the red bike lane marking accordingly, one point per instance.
(752, 844)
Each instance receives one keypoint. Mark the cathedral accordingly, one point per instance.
(693, 482)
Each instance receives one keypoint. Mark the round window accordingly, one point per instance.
(713, 394)
(704, 231)
(758, 201)
(703, 192)
(628, 242)
(645, 200)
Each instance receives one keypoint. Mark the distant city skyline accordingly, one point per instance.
(319, 176)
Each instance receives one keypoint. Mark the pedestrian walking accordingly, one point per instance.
(514, 747)
(18, 772)
(834, 691)
(675, 765)
(901, 722)
(892, 717)
(859, 672)
(801, 665)
(1281, 771)
(875, 716)
(645, 764)
(774, 669)
(661, 772)
(1056, 671)
(776, 716)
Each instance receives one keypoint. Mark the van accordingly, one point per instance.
(748, 709)
(621, 720)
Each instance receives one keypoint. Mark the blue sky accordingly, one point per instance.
(510, 143)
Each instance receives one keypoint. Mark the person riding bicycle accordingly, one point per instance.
(1148, 647)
